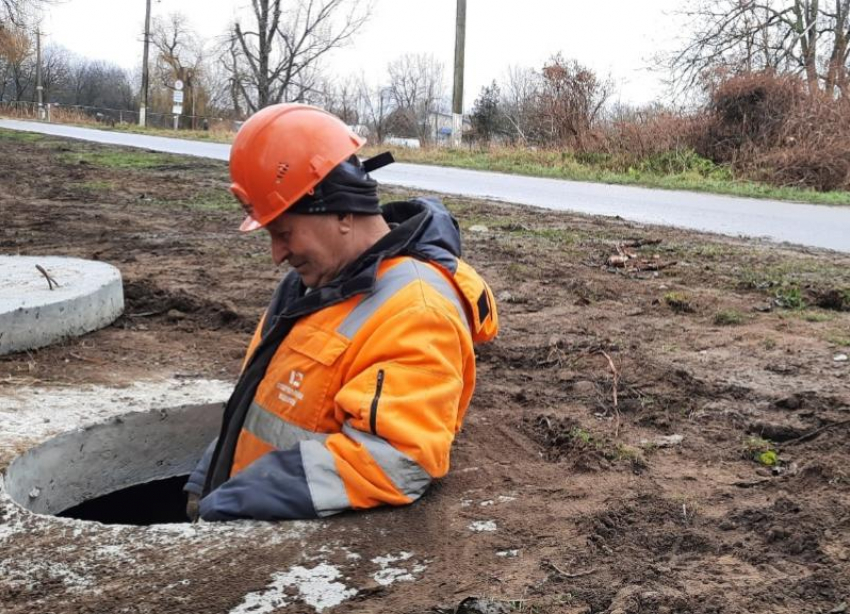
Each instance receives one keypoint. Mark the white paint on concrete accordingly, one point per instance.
(89, 296)
(317, 587)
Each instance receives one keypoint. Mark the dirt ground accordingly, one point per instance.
(661, 426)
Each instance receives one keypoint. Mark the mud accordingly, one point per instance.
(560, 498)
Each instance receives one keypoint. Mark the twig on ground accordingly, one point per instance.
(564, 574)
(146, 314)
(654, 265)
(86, 359)
(816, 432)
(50, 281)
(616, 378)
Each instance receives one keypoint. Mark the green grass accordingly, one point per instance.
(122, 159)
(783, 279)
(212, 136)
(728, 317)
(838, 338)
(789, 297)
(97, 186)
(21, 137)
(679, 302)
(212, 200)
(670, 171)
(816, 316)
(761, 451)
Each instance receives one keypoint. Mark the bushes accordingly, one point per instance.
(771, 129)
(759, 126)
(747, 113)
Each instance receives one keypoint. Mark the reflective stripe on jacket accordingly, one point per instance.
(361, 400)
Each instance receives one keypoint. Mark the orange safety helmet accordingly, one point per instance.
(281, 153)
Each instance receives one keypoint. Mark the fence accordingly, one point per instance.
(66, 113)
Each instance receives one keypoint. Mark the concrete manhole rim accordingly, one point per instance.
(126, 450)
(34, 312)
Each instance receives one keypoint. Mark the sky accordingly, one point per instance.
(616, 38)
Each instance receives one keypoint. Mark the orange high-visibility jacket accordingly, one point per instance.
(363, 389)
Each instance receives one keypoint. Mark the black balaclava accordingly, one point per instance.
(348, 188)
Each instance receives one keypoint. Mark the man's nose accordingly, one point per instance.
(279, 251)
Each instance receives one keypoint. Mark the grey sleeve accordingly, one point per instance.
(195, 484)
(274, 487)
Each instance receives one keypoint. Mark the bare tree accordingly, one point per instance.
(55, 71)
(180, 58)
(97, 84)
(18, 12)
(376, 108)
(340, 97)
(570, 98)
(808, 37)
(417, 86)
(519, 100)
(274, 55)
(230, 76)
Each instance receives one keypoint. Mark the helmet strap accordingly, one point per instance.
(379, 161)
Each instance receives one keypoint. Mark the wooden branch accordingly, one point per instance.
(616, 377)
(569, 576)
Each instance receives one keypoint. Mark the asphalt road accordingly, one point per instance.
(809, 225)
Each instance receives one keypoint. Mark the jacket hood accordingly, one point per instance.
(422, 227)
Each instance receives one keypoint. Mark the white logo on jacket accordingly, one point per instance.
(290, 393)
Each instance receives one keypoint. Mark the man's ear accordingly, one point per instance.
(346, 222)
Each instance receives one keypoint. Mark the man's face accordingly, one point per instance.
(314, 245)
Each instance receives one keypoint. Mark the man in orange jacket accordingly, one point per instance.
(360, 372)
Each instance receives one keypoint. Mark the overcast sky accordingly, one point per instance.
(614, 37)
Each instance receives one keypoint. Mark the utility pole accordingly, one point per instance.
(38, 87)
(143, 103)
(457, 97)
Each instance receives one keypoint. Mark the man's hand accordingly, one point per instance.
(193, 507)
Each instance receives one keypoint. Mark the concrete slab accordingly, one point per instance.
(89, 296)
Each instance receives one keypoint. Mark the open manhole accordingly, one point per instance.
(130, 470)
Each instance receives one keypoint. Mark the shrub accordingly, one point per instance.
(789, 297)
(770, 128)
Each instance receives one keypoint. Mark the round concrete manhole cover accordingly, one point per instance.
(46, 299)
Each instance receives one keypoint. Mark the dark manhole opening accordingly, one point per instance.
(157, 502)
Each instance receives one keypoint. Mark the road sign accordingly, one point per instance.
(178, 97)
(177, 109)
(178, 85)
